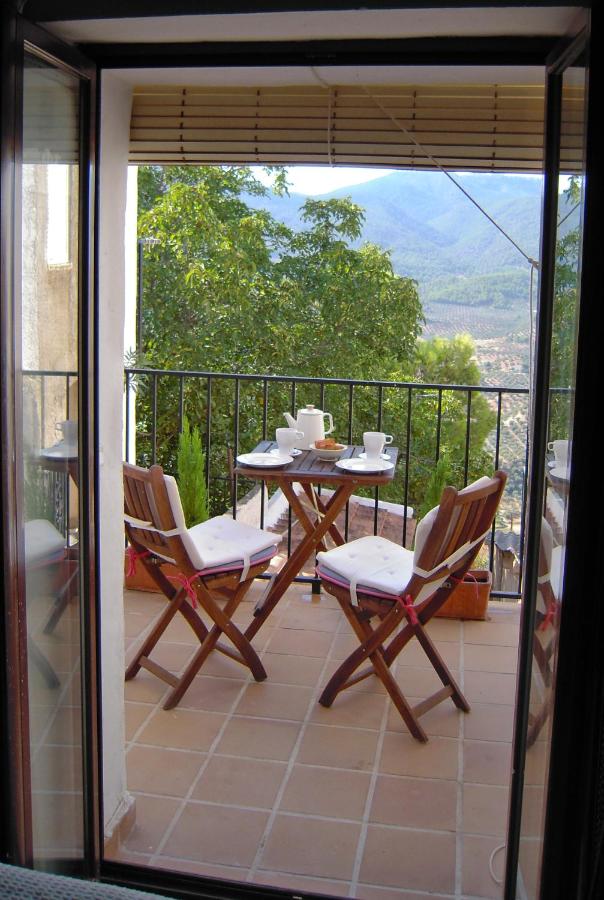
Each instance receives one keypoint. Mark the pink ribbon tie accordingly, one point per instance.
(407, 603)
(187, 584)
(548, 618)
(132, 555)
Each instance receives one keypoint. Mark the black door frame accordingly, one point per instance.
(20, 36)
(585, 717)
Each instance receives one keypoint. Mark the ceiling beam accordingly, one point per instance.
(499, 51)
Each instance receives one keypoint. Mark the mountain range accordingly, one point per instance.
(437, 236)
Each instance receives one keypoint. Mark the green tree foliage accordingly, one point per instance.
(227, 288)
(564, 325)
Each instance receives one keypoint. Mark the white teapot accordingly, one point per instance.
(310, 422)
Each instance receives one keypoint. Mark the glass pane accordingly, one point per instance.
(49, 338)
(558, 463)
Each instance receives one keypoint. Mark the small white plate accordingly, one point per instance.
(364, 456)
(275, 452)
(364, 466)
(60, 451)
(559, 472)
(264, 460)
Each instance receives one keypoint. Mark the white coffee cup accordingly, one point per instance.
(287, 438)
(374, 442)
(560, 451)
(69, 431)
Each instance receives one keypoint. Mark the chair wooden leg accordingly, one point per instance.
(441, 669)
(371, 648)
(370, 640)
(174, 605)
(223, 625)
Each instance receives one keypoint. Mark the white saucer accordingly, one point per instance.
(263, 460)
(60, 451)
(364, 456)
(364, 466)
(275, 452)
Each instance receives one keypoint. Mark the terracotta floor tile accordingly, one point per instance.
(220, 666)
(403, 755)
(135, 714)
(501, 634)
(444, 719)
(260, 739)
(212, 694)
(537, 758)
(485, 809)
(145, 688)
(217, 834)
(310, 616)
(533, 810)
(371, 685)
(301, 883)
(299, 670)
(367, 892)
(351, 708)
(489, 722)
(344, 645)
(186, 729)
(325, 792)
(490, 687)
(444, 629)
(530, 851)
(158, 770)
(153, 815)
(172, 656)
(420, 682)
(489, 658)
(300, 642)
(414, 655)
(180, 631)
(346, 748)
(240, 782)
(311, 847)
(275, 701)
(476, 878)
(415, 803)
(420, 860)
(124, 855)
(487, 762)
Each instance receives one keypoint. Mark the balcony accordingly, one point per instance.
(258, 782)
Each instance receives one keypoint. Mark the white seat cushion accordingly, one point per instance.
(221, 542)
(374, 563)
(43, 543)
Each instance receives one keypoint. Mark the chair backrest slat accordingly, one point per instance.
(461, 518)
(146, 498)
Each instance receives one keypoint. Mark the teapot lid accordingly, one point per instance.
(311, 410)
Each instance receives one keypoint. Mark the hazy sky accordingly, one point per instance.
(323, 179)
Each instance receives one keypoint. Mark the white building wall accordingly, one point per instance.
(113, 252)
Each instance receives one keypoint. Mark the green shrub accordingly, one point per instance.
(191, 475)
(440, 477)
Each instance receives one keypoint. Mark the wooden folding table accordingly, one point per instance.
(309, 471)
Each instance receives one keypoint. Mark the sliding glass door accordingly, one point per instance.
(51, 601)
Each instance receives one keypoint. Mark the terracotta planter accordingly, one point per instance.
(141, 580)
(470, 599)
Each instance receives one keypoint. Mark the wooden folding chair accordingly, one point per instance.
(374, 577)
(545, 638)
(218, 557)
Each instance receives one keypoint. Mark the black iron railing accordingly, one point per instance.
(236, 411)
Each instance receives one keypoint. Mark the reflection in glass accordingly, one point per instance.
(558, 465)
(49, 346)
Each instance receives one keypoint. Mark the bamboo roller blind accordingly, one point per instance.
(473, 127)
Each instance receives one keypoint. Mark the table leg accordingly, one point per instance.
(292, 566)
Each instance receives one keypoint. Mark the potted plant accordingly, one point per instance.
(191, 480)
(470, 599)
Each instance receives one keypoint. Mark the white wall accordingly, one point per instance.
(113, 180)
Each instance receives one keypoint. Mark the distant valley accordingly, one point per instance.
(470, 277)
